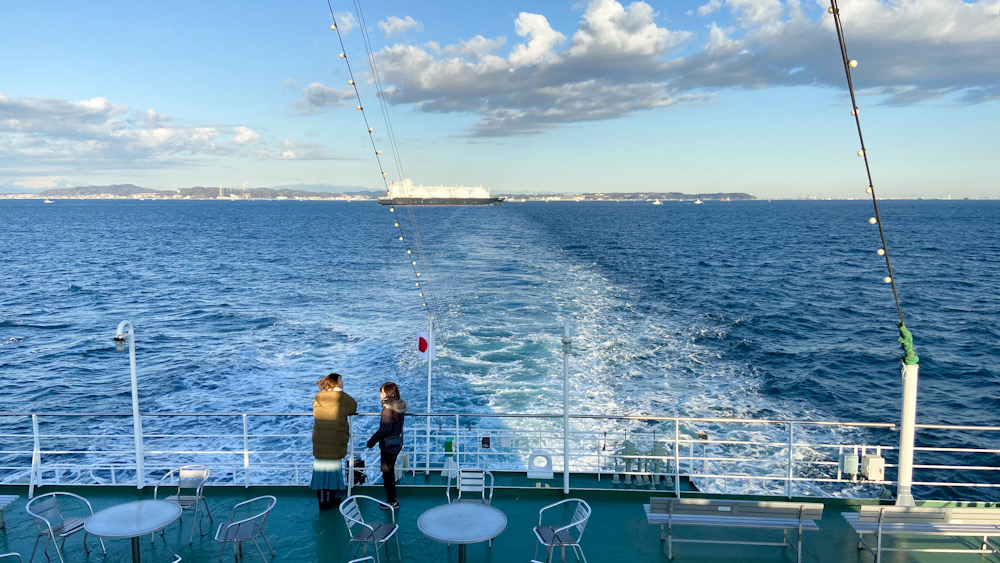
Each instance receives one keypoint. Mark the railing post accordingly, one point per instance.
(791, 458)
(36, 458)
(677, 458)
(567, 346)
(246, 453)
(350, 455)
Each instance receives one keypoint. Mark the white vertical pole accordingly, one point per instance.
(430, 360)
(140, 474)
(566, 342)
(905, 475)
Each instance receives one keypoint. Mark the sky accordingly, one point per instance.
(520, 97)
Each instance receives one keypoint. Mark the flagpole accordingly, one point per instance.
(430, 360)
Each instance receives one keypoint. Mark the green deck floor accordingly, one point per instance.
(617, 531)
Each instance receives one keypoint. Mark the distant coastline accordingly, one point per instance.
(133, 192)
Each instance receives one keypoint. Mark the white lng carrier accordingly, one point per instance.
(405, 193)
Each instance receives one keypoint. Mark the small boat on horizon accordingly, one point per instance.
(657, 202)
(48, 201)
(698, 201)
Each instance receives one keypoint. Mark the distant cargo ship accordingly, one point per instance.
(405, 193)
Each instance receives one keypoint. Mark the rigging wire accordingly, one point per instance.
(877, 219)
(422, 282)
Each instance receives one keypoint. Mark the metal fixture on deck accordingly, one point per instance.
(120, 339)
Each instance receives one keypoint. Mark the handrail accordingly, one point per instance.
(803, 452)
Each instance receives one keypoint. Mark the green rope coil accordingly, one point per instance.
(906, 340)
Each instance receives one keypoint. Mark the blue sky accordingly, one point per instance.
(556, 96)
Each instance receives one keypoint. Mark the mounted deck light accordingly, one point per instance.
(127, 334)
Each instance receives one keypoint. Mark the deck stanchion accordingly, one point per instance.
(791, 458)
(567, 346)
(246, 454)
(36, 458)
(904, 496)
(120, 339)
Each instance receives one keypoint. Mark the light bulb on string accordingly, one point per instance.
(395, 224)
(370, 129)
(854, 111)
(880, 252)
(853, 63)
(861, 152)
(400, 238)
(868, 190)
(887, 279)
(343, 56)
(333, 27)
(417, 284)
(351, 82)
(873, 220)
(418, 274)
(358, 106)
(408, 252)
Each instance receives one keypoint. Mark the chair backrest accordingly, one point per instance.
(352, 514)
(192, 476)
(185, 478)
(45, 510)
(11, 554)
(581, 515)
(259, 508)
(472, 481)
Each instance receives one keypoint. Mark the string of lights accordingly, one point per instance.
(421, 279)
(863, 153)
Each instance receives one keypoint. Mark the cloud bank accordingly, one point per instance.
(623, 59)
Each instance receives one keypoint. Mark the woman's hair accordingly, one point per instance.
(391, 390)
(330, 381)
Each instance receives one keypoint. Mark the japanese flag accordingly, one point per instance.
(425, 345)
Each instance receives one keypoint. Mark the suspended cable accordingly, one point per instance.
(422, 279)
(905, 337)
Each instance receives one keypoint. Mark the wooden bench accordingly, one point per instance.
(670, 512)
(955, 522)
(5, 501)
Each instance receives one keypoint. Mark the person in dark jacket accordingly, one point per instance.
(330, 437)
(389, 437)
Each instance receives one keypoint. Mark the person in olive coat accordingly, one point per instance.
(330, 438)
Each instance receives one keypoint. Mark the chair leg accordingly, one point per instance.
(34, 547)
(398, 552)
(194, 522)
(261, 552)
(222, 552)
(267, 543)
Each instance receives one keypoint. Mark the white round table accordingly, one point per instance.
(462, 523)
(133, 519)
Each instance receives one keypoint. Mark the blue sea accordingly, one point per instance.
(749, 309)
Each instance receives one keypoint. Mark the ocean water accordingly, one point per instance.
(751, 309)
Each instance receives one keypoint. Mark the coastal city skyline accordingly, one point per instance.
(539, 97)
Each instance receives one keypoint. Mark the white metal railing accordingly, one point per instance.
(717, 455)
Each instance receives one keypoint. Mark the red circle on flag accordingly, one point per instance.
(422, 345)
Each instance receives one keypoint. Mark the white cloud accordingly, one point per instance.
(317, 96)
(39, 182)
(910, 50)
(345, 22)
(393, 25)
(542, 39)
(608, 28)
(49, 134)
(245, 136)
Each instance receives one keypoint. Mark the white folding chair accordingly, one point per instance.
(190, 483)
(563, 536)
